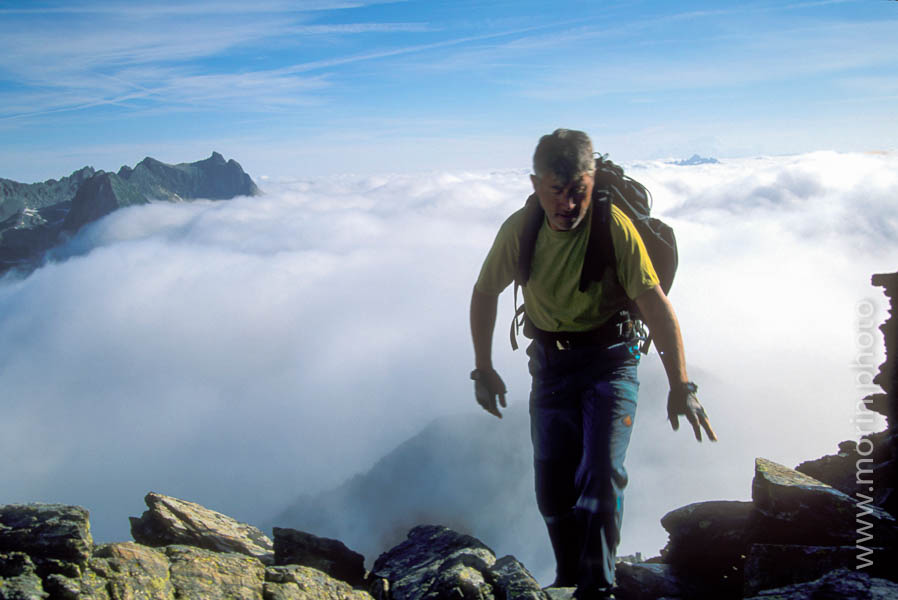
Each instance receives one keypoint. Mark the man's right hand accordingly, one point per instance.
(487, 386)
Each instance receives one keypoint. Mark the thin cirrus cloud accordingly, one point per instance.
(101, 56)
(242, 353)
(738, 59)
(649, 78)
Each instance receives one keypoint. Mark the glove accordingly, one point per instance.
(682, 401)
(488, 385)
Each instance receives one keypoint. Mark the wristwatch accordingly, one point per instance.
(688, 387)
(477, 373)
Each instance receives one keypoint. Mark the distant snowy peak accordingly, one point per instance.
(694, 160)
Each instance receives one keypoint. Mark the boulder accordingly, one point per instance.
(436, 562)
(170, 521)
(706, 533)
(876, 469)
(515, 581)
(841, 584)
(297, 582)
(464, 578)
(793, 508)
(127, 570)
(648, 581)
(198, 574)
(49, 533)
(131, 571)
(293, 547)
(48, 553)
(772, 565)
(707, 545)
(838, 470)
(560, 593)
(18, 579)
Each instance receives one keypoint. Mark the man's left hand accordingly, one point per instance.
(682, 400)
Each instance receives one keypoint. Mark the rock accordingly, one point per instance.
(461, 578)
(436, 562)
(133, 571)
(708, 544)
(887, 378)
(560, 593)
(198, 574)
(841, 584)
(48, 554)
(837, 470)
(172, 521)
(62, 587)
(706, 532)
(327, 555)
(792, 508)
(514, 581)
(18, 579)
(297, 582)
(46, 532)
(843, 471)
(772, 566)
(648, 581)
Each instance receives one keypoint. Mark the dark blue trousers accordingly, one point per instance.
(582, 410)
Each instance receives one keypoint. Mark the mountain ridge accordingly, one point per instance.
(35, 217)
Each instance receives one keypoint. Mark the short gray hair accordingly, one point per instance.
(565, 153)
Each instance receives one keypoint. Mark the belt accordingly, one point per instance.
(616, 329)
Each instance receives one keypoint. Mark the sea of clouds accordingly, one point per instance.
(241, 353)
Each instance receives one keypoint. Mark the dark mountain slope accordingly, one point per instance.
(34, 217)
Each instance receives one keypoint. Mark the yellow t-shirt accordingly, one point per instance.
(552, 294)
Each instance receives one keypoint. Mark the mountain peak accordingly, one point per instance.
(88, 195)
(695, 160)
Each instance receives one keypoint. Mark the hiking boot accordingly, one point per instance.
(594, 593)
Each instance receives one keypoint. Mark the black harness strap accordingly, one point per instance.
(599, 248)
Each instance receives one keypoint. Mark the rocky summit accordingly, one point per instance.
(826, 530)
(770, 547)
(188, 551)
(37, 216)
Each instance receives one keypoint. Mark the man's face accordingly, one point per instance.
(565, 202)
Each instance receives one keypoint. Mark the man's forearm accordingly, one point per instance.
(659, 315)
(483, 322)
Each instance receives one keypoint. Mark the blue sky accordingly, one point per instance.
(334, 86)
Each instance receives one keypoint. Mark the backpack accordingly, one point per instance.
(611, 187)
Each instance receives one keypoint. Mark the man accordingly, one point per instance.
(583, 359)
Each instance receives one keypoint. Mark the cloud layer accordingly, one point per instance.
(241, 353)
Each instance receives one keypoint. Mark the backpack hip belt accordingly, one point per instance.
(616, 329)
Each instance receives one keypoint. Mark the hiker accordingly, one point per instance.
(582, 358)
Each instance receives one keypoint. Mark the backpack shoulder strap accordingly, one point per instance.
(517, 321)
(533, 220)
(599, 248)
